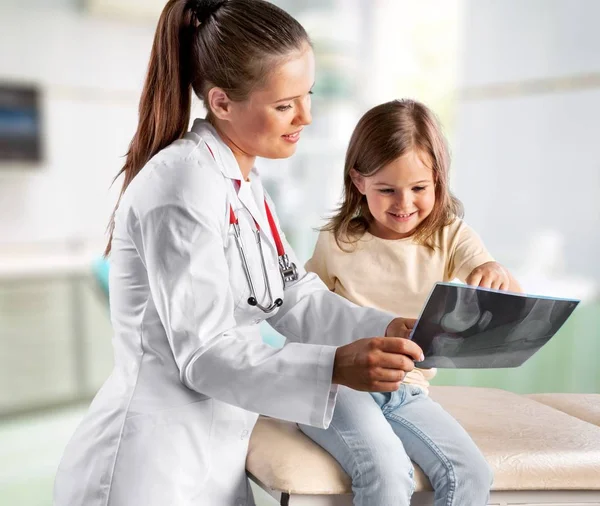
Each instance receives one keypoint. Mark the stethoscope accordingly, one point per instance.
(287, 269)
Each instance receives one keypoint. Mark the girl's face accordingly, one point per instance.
(269, 122)
(400, 195)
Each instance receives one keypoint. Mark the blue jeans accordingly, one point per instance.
(375, 436)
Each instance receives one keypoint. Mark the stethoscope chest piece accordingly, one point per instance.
(288, 270)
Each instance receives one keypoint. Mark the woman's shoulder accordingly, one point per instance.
(187, 165)
(183, 175)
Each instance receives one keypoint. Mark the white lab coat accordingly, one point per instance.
(171, 424)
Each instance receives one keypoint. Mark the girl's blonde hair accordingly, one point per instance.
(383, 134)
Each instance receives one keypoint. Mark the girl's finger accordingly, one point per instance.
(474, 279)
(486, 281)
(497, 284)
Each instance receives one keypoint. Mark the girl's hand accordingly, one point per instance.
(490, 275)
(400, 327)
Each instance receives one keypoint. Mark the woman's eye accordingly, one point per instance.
(386, 190)
(418, 188)
(283, 107)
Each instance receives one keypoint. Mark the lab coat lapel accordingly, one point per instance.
(221, 153)
(230, 169)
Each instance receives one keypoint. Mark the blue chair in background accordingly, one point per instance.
(270, 336)
(100, 269)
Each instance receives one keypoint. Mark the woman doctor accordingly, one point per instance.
(198, 260)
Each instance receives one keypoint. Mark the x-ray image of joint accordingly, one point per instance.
(466, 313)
(444, 344)
(537, 322)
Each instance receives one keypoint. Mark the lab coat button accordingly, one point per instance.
(244, 434)
(254, 322)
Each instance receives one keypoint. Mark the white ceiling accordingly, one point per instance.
(140, 9)
(151, 9)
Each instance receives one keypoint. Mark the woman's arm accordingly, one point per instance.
(176, 226)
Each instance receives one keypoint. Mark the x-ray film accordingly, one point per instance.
(476, 328)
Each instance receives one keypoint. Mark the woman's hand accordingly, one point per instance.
(490, 275)
(378, 364)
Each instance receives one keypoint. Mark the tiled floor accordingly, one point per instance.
(30, 449)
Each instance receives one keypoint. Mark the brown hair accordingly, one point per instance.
(383, 134)
(198, 45)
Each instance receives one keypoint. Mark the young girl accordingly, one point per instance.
(396, 233)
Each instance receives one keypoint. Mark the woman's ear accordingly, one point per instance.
(359, 180)
(219, 103)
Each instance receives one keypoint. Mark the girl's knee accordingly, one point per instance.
(387, 467)
(387, 479)
(484, 475)
(467, 479)
(475, 474)
(391, 465)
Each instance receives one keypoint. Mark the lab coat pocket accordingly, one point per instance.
(164, 457)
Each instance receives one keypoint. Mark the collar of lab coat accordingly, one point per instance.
(230, 169)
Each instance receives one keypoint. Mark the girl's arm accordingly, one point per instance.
(471, 262)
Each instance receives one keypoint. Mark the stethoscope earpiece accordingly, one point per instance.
(252, 301)
(279, 302)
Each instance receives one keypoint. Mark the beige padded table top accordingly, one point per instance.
(529, 445)
(583, 406)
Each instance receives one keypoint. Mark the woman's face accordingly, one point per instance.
(269, 122)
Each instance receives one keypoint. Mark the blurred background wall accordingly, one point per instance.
(527, 170)
(516, 85)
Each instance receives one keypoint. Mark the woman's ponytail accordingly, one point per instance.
(164, 110)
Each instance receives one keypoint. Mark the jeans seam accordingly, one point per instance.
(411, 470)
(385, 409)
(356, 462)
(436, 450)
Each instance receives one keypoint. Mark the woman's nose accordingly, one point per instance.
(303, 116)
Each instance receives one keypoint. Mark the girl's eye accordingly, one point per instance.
(418, 188)
(386, 190)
